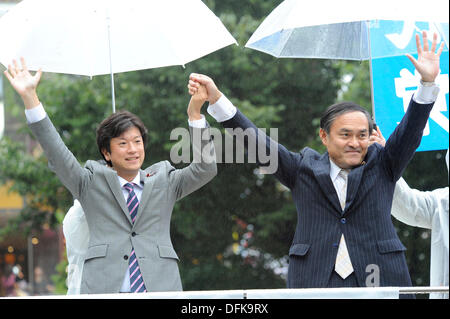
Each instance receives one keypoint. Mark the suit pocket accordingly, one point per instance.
(390, 246)
(96, 251)
(299, 249)
(167, 252)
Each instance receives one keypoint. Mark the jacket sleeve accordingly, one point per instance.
(60, 158)
(202, 169)
(272, 157)
(403, 142)
(413, 207)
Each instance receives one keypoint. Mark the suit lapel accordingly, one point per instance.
(148, 181)
(355, 176)
(354, 179)
(113, 182)
(321, 169)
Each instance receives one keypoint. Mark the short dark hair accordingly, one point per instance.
(335, 110)
(114, 125)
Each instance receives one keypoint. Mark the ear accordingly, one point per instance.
(106, 154)
(323, 136)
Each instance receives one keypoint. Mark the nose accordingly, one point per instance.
(354, 142)
(131, 148)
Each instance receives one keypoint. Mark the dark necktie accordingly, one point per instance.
(136, 280)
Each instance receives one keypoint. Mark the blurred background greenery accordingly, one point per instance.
(235, 232)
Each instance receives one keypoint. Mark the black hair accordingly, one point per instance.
(335, 110)
(114, 126)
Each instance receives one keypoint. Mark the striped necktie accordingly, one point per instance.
(136, 280)
(343, 264)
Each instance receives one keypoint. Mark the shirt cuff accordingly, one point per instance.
(426, 94)
(198, 123)
(35, 114)
(222, 110)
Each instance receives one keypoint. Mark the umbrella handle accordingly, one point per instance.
(370, 70)
(113, 98)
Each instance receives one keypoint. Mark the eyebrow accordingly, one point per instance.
(123, 138)
(345, 130)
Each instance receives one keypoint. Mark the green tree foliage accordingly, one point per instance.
(230, 233)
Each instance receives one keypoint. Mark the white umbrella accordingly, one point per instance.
(332, 29)
(94, 37)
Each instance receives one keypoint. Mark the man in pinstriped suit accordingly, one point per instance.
(364, 218)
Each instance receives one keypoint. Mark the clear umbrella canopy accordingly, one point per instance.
(338, 29)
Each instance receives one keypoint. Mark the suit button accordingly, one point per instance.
(133, 234)
(125, 257)
(343, 220)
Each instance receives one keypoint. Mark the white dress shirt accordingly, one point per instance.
(338, 182)
(76, 233)
(427, 210)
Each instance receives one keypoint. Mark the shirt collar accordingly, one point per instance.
(136, 181)
(334, 170)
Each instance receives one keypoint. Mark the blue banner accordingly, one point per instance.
(395, 38)
(394, 82)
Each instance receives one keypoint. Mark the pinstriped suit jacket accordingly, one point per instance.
(366, 220)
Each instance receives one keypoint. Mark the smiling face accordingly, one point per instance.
(126, 153)
(348, 139)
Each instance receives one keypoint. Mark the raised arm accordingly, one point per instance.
(411, 206)
(414, 207)
(204, 167)
(273, 158)
(406, 138)
(61, 160)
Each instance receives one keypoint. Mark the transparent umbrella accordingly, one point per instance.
(330, 29)
(338, 29)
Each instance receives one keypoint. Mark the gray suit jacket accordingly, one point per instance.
(112, 233)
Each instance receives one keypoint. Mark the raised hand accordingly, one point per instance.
(23, 82)
(195, 80)
(427, 63)
(201, 94)
(377, 137)
(199, 97)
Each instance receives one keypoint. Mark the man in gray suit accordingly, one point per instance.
(128, 209)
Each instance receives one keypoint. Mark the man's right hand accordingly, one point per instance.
(24, 83)
(195, 80)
